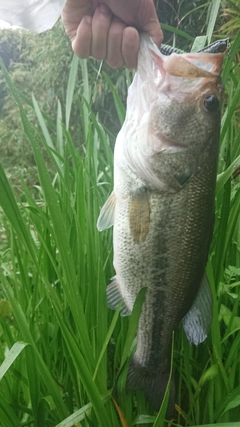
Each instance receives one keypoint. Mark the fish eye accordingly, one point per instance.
(211, 103)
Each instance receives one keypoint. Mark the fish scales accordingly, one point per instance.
(162, 207)
(156, 261)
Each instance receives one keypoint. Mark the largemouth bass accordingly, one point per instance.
(162, 205)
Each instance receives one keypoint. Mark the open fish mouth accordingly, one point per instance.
(187, 65)
(184, 76)
(165, 83)
(192, 66)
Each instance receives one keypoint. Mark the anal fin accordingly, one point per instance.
(197, 321)
(114, 298)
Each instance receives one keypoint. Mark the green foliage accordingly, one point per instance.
(28, 58)
(40, 64)
(61, 349)
(232, 17)
(183, 21)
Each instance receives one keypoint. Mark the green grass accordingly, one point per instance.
(61, 348)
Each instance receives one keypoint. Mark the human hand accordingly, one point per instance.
(109, 29)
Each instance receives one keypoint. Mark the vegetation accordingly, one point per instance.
(61, 348)
(40, 64)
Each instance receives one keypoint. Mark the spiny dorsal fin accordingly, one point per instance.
(114, 297)
(197, 321)
(106, 217)
(139, 215)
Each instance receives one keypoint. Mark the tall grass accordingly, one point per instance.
(61, 348)
(55, 266)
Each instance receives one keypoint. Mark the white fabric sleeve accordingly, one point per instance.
(33, 15)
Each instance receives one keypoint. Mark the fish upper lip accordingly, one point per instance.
(207, 58)
(189, 65)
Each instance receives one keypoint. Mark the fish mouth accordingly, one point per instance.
(211, 63)
(187, 76)
(188, 65)
(194, 65)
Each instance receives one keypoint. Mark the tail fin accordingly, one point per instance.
(153, 384)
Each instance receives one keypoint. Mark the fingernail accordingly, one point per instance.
(88, 19)
(104, 9)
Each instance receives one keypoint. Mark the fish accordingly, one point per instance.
(221, 45)
(162, 206)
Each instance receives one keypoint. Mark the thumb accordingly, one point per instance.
(153, 28)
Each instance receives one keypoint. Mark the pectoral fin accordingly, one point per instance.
(106, 217)
(197, 321)
(114, 297)
(139, 216)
